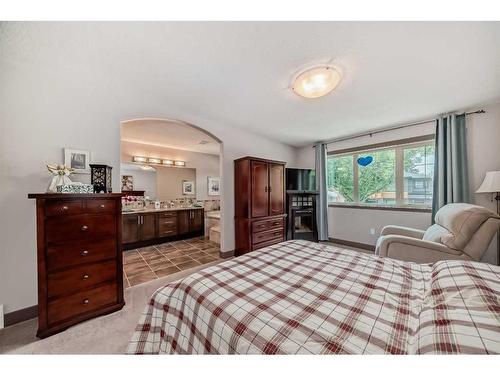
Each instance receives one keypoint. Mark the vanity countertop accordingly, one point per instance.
(152, 210)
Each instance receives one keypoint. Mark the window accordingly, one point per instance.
(393, 175)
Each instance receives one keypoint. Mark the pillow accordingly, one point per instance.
(461, 220)
(434, 233)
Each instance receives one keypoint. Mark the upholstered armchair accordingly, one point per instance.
(462, 231)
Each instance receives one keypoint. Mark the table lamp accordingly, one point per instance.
(491, 184)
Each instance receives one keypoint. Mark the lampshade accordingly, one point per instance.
(491, 183)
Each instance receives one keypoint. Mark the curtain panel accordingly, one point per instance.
(321, 183)
(451, 177)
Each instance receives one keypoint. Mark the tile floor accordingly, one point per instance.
(153, 262)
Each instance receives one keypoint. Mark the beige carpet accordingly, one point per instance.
(108, 334)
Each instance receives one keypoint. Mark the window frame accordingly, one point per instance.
(399, 147)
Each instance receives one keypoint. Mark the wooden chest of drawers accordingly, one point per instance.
(80, 273)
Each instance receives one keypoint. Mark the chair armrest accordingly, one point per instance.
(415, 250)
(402, 231)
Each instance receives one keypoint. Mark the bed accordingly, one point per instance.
(299, 297)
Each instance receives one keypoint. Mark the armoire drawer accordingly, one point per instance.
(267, 236)
(80, 278)
(267, 243)
(72, 254)
(260, 226)
(81, 303)
(79, 227)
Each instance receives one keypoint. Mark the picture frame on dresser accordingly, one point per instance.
(78, 160)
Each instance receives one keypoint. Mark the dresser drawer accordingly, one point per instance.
(80, 277)
(167, 231)
(72, 254)
(79, 227)
(63, 207)
(267, 236)
(100, 206)
(81, 303)
(260, 226)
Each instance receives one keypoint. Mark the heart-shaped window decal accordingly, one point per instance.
(367, 160)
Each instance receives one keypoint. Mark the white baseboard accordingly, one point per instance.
(1, 317)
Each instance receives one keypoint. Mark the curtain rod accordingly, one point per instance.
(365, 134)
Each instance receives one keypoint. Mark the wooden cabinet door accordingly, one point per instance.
(260, 186)
(148, 226)
(130, 228)
(276, 186)
(183, 221)
(196, 220)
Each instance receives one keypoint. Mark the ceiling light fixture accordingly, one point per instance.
(203, 142)
(316, 81)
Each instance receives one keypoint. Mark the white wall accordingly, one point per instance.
(483, 134)
(143, 180)
(206, 165)
(44, 108)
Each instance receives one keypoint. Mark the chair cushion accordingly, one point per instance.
(434, 233)
(461, 220)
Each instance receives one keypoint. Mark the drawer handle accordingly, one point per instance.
(86, 301)
(85, 253)
(64, 208)
(85, 277)
(102, 206)
(169, 222)
(168, 231)
(84, 228)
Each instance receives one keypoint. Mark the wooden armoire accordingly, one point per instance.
(259, 191)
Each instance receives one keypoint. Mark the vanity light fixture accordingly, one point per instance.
(316, 82)
(154, 160)
(179, 163)
(168, 162)
(140, 159)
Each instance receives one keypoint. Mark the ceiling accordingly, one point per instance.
(168, 133)
(238, 73)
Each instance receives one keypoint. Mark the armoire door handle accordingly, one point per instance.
(265, 189)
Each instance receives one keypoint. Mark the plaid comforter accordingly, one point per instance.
(303, 297)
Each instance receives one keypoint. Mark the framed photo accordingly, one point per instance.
(77, 159)
(213, 185)
(188, 187)
(127, 183)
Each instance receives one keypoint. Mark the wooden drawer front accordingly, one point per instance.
(267, 243)
(167, 231)
(100, 206)
(81, 277)
(260, 226)
(267, 236)
(58, 208)
(72, 254)
(82, 302)
(80, 227)
(168, 214)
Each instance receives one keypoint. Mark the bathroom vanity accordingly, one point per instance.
(143, 227)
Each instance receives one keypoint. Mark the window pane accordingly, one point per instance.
(377, 178)
(340, 179)
(418, 175)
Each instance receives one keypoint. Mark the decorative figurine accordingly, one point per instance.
(60, 176)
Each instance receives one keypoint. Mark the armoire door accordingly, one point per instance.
(276, 186)
(260, 186)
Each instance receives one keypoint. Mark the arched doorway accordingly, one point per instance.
(176, 167)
